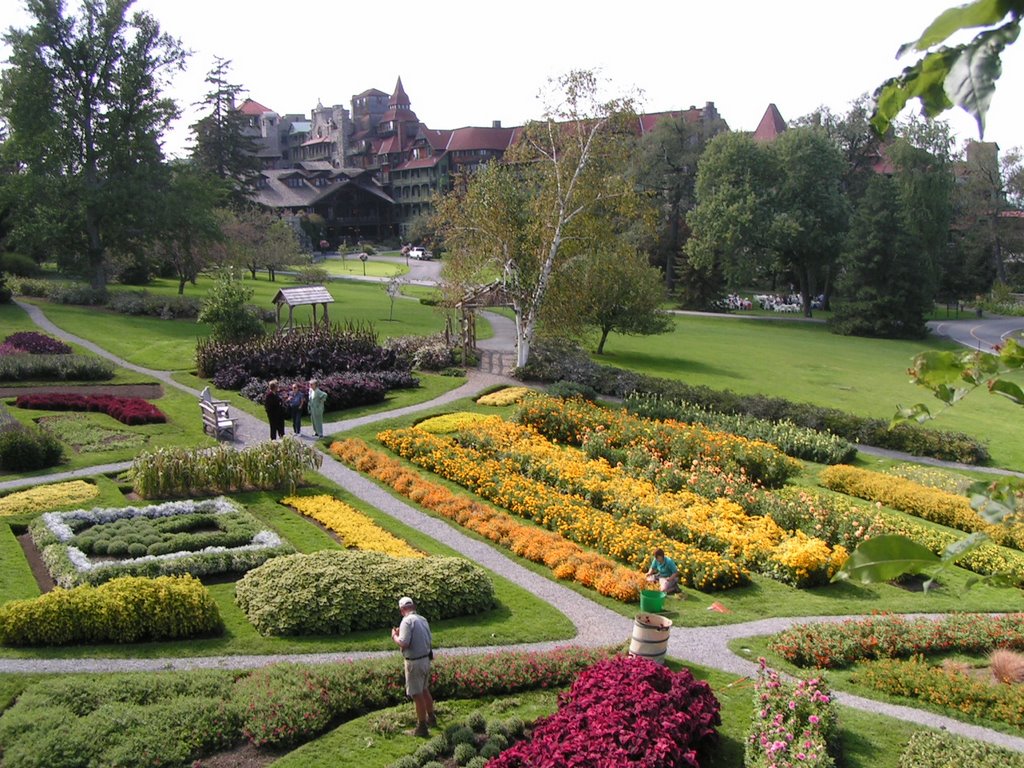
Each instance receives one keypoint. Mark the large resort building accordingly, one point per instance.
(371, 169)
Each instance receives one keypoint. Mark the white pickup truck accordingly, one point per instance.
(420, 254)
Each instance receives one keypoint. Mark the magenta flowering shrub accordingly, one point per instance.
(835, 645)
(794, 724)
(37, 343)
(127, 410)
(623, 712)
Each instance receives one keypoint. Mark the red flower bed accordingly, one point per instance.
(127, 410)
(622, 712)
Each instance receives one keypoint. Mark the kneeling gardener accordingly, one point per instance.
(414, 638)
(664, 571)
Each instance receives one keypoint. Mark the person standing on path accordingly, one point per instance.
(414, 638)
(296, 399)
(316, 399)
(274, 407)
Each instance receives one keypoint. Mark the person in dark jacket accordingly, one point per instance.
(296, 401)
(274, 406)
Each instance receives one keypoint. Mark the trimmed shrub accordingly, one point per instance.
(147, 304)
(77, 293)
(125, 610)
(937, 749)
(334, 592)
(344, 390)
(19, 265)
(23, 449)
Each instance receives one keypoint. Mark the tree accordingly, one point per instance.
(553, 200)
(189, 224)
(82, 96)
(259, 240)
(666, 167)
(222, 145)
(777, 205)
(961, 75)
(616, 289)
(227, 310)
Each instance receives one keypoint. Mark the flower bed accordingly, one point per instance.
(720, 525)
(35, 343)
(567, 559)
(623, 712)
(44, 497)
(500, 483)
(127, 410)
(794, 724)
(937, 749)
(831, 645)
(56, 533)
(356, 530)
(129, 609)
(916, 679)
(939, 506)
(600, 431)
(505, 396)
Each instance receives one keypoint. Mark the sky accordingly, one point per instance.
(470, 63)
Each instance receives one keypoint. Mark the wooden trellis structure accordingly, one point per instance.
(297, 297)
(490, 295)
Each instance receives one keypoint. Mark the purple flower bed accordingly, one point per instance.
(344, 390)
(127, 410)
(35, 344)
(623, 712)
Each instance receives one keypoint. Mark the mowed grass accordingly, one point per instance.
(804, 362)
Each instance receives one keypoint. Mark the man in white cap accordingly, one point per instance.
(414, 638)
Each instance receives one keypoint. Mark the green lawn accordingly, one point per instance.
(372, 267)
(803, 362)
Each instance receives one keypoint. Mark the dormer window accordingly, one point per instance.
(262, 182)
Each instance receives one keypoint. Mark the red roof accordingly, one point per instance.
(399, 97)
(771, 125)
(497, 139)
(649, 120)
(423, 162)
(250, 107)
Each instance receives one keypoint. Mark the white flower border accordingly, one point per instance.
(56, 523)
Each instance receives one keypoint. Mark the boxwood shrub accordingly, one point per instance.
(125, 610)
(23, 449)
(333, 592)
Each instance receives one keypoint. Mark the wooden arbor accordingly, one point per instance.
(297, 297)
(490, 295)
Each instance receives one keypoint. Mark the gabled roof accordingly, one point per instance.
(436, 139)
(648, 120)
(277, 194)
(496, 139)
(771, 125)
(308, 294)
(315, 165)
(250, 107)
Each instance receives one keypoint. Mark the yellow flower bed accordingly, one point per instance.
(356, 530)
(46, 497)
(506, 396)
(501, 482)
(919, 500)
(566, 559)
(719, 526)
(452, 422)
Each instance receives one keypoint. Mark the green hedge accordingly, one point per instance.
(24, 449)
(125, 610)
(55, 368)
(935, 749)
(334, 592)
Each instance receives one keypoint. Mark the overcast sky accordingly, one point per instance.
(469, 63)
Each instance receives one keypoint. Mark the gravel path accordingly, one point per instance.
(595, 625)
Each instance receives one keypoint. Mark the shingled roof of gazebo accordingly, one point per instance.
(307, 294)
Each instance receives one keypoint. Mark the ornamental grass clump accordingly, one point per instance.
(623, 712)
(125, 610)
(335, 592)
(46, 497)
(27, 367)
(794, 724)
(181, 472)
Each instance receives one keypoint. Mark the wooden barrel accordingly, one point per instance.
(650, 637)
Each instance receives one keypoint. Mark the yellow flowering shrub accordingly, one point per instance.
(356, 530)
(452, 422)
(606, 576)
(46, 497)
(506, 396)
(919, 500)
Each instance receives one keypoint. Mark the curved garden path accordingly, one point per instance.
(595, 625)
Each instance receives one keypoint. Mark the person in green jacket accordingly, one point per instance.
(317, 398)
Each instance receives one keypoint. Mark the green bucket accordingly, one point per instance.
(651, 600)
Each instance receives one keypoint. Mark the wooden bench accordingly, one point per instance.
(216, 419)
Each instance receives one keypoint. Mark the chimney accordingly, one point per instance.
(495, 123)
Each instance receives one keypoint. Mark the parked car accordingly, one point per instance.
(420, 254)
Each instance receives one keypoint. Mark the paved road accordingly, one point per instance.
(595, 625)
(979, 333)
